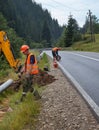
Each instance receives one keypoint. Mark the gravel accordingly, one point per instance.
(63, 108)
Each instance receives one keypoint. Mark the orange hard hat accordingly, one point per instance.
(24, 48)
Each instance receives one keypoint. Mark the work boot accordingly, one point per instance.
(36, 94)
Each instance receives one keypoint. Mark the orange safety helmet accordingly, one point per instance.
(24, 48)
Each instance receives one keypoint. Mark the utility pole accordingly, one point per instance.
(91, 26)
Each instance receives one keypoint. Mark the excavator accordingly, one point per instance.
(7, 50)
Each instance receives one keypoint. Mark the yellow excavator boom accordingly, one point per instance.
(5, 47)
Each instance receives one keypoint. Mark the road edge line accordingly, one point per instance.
(89, 101)
(94, 107)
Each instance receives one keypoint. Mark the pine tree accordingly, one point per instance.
(69, 33)
(72, 32)
(46, 36)
(3, 22)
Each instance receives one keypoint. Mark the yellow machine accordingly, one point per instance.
(5, 47)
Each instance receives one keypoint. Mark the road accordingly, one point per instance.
(83, 69)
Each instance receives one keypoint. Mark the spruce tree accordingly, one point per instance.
(46, 35)
(72, 32)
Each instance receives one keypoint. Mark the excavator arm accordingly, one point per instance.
(5, 47)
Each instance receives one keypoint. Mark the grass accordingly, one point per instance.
(86, 45)
(21, 114)
(4, 95)
(24, 114)
(44, 62)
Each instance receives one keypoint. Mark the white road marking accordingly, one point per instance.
(85, 56)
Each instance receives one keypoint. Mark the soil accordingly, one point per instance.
(42, 79)
(63, 108)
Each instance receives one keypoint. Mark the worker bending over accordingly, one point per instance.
(55, 52)
(30, 68)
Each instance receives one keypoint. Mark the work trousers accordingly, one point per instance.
(28, 84)
(55, 54)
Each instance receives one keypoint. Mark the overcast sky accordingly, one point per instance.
(61, 9)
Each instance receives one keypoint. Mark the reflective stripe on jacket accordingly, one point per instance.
(34, 69)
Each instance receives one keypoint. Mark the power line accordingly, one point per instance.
(53, 6)
(56, 6)
(64, 5)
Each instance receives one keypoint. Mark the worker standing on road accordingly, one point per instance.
(55, 52)
(30, 68)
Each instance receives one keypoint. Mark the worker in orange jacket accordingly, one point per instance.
(55, 52)
(30, 68)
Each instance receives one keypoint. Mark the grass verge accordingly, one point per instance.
(24, 114)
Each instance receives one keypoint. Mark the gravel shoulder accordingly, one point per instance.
(63, 108)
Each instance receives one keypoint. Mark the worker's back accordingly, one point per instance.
(55, 49)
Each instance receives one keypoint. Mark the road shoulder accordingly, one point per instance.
(63, 108)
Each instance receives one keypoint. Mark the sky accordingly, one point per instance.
(61, 9)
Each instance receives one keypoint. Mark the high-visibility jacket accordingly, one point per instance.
(34, 69)
(55, 49)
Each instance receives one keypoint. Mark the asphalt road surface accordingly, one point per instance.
(83, 68)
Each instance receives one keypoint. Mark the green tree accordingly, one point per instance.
(72, 33)
(46, 35)
(95, 23)
(68, 38)
(62, 39)
(3, 22)
(85, 28)
(15, 41)
(26, 17)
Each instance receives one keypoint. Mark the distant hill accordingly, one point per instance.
(28, 18)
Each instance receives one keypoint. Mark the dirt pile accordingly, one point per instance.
(41, 79)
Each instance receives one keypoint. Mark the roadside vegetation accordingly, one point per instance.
(85, 45)
(47, 34)
(20, 115)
